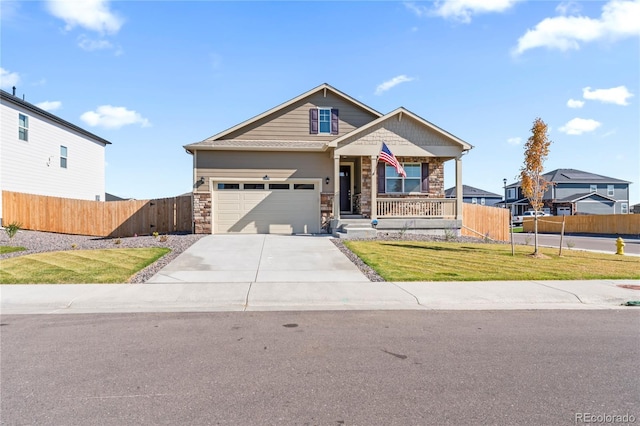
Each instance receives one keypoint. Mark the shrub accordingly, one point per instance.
(117, 241)
(12, 229)
(155, 234)
(164, 238)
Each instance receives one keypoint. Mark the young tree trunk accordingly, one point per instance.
(535, 231)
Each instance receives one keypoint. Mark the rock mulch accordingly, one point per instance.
(39, 242)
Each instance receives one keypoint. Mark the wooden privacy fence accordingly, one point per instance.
(484, 221)
(97, 218)
(623, 224)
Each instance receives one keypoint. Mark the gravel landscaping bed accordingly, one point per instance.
(397, 236)
(39, 242)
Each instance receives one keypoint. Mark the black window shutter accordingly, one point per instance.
(313, 121)
(424, 187)
(334, 121)
(381, 176)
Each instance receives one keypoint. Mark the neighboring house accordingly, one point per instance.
(574, 192)
(312, 161)
(635, 209)
(473, 195)
(43, 154)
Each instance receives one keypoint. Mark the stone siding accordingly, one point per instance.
(326, 209)
(202, 208)
(365, 194)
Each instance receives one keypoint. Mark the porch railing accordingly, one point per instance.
(417, 207)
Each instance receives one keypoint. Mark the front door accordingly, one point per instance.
(345, 188)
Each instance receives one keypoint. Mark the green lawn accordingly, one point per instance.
(10, 249)
(432, 261)
(79, 266)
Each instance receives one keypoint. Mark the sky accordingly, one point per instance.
(151, 77)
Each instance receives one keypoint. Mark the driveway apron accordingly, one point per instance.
(260, 258)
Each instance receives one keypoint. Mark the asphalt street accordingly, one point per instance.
(581, 242)
(320, 368)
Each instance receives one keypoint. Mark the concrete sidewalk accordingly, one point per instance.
(283, 296)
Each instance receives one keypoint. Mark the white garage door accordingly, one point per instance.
(291, 207)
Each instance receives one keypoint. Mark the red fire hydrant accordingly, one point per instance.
(620, 246)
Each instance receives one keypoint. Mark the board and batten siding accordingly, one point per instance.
(255, 165)
(33, 166)
(564, 190)
(292, 122)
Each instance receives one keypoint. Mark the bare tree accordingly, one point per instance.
(534, 185)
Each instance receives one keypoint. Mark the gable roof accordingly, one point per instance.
(574, 176)
(5, 96)
(470, 191)
(323, 87)
(577, 197)
(399, 112)
(578, 176)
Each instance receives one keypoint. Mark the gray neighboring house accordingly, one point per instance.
(473, 195)
(575, 192)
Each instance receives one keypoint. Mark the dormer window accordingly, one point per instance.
(323, 121)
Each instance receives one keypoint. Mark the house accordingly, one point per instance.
(311, 163)
(574, 192)
(43, 154)
(473, 195)
(635, 208)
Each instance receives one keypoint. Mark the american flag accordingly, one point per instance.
(390, 159)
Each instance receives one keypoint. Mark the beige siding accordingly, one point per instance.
(253, 165)
(292, 123)
(405, 137)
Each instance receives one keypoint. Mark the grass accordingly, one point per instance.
(10, 249)
(79, 266)
(435, 261)
(517, 229)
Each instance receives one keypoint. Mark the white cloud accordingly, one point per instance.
(392, 83)
(89, 45)
(112, 117)
(578, 126)
(8, 79)
(619, 19)
(575, 103)
(568, 8)
(49, 105)
(514, 141)
(615, 95)
(462, 10)
(93, 15)
(417, 10)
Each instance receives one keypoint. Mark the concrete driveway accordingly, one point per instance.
(260, 258)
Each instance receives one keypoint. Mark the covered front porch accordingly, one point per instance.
(368, 189)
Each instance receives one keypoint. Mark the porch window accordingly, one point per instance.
(395, 183)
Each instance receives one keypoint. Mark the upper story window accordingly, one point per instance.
(323, 121)
(624, 208)
(610, 190)
(511, 193)
(63, 157)
(593, 188)
(396, 183)
(474, 200)
(482, 201)
(23, 127)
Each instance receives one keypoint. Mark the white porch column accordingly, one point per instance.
(374, 187)
(336, 187)
(459, 188)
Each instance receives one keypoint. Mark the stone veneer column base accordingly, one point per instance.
(202, 208)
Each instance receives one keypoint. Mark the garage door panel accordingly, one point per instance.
(275, 211)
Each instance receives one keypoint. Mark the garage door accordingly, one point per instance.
(291, 207)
